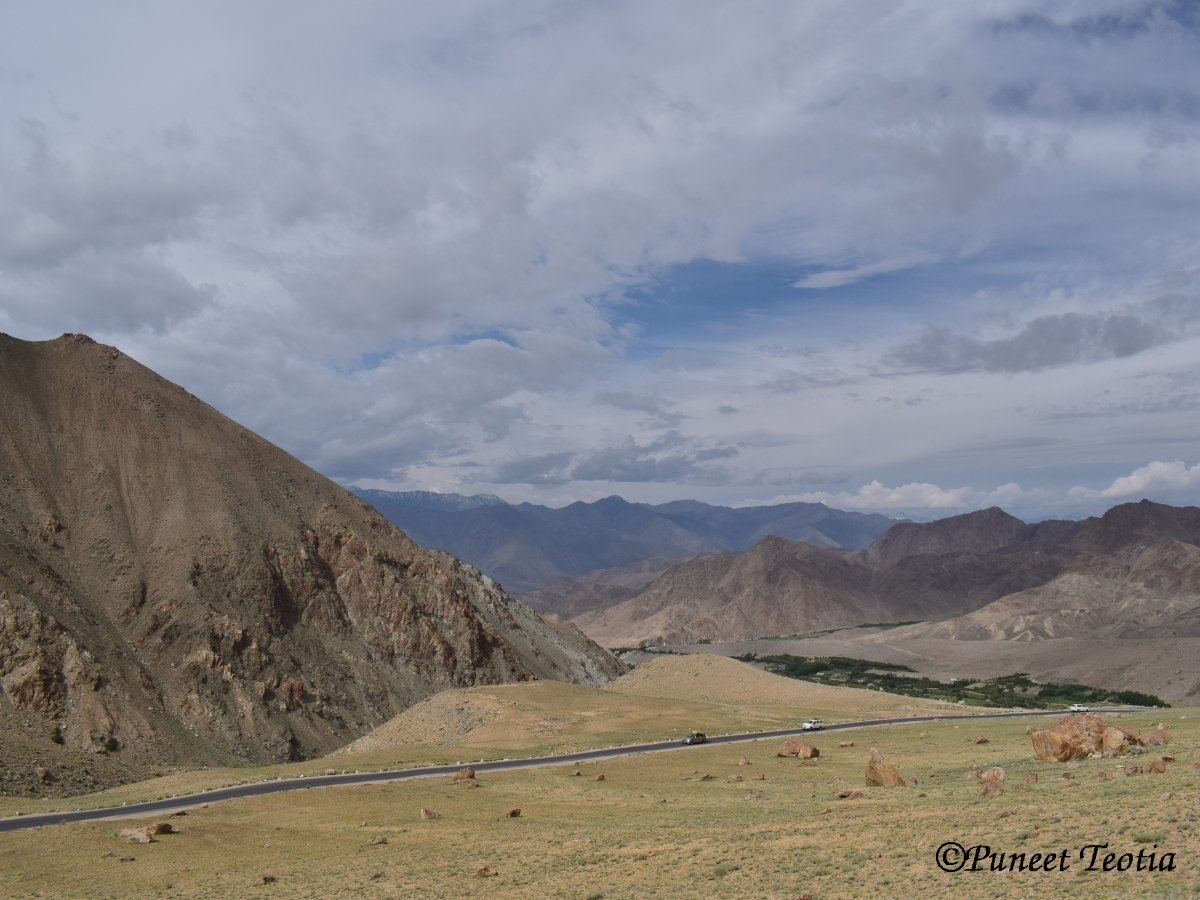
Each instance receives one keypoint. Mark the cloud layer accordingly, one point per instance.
(562, 250)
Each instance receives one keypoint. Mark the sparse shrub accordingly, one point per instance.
(57, 737)
(1147, 837)
(111, 744)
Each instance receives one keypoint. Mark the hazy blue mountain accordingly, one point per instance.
(527, 546)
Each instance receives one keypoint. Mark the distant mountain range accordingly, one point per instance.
(986, 575)
(525, 546)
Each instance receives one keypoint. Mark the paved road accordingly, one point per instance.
(295, 784)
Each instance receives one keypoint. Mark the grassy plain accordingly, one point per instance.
(653, 827)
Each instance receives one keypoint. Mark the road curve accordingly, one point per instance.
(14, 823)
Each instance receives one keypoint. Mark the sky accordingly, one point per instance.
(909, 257)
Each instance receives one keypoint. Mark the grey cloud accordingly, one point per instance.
(727, 410)
(659, 416)
(716, 453)
(546, 469)
(779, 479)
(633, 462)
(1043, 343)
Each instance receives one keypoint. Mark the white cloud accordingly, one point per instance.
(1153, 478)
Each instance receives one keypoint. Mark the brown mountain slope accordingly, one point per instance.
(983, 531)
(1132, 592)
(172, 581)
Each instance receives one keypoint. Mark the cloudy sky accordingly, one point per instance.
(917, 257)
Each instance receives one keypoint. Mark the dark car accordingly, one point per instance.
(696, 737)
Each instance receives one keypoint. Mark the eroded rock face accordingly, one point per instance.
(174, 587)
(880, 773)
(1078, 736)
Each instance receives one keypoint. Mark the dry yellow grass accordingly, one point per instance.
(652, 828)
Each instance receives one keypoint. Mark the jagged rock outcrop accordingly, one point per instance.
(174, 587)
(1078, 736)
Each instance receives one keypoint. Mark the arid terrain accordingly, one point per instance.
(727, 821)
(177, 591)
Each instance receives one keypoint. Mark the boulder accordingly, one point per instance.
(1076, 737)
(706, 778)
(160, 828)
(994, 774)
(974, 772)
(1133, 769)
(464, 774)
(1156, 768)
(1168, 757)
(991, 789)
(923, 734)
(599, 777)
(1157, 738)
(376, 841)
(808, 762)
(758, 777)
(743, 761)
(513, 814)
(485, 872)
(734, 778)
(43, 773)
(1114, 742)
(879, 773)
(846, 744)
(912, 781)
(798, 749)
(428, 813)
(850, 795)
(981, 739)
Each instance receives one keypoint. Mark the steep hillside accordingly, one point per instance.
(177, 588)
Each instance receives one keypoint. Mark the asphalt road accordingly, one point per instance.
(13, 823)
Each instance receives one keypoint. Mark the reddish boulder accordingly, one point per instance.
(743, 761)
(464, 774)
(1157, 738)
(880, 773)
(799, 749)
(991, 789)
(994, 774)
(758, 778)
(974, 772)
(428, 813)
(1078, 736)
(734, 778)
(1156, 768)
(846, 744)
(981, 740)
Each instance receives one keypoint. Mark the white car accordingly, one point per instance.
(1079, 707)
(811, 725)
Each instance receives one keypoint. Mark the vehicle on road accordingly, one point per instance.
(696, 737)
(811, 725)
(1079, 707)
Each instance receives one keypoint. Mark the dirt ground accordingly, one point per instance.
(655, 826)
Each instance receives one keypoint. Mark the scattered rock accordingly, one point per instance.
(464, 774)
(128, 858)
(269, 879)
(734, 778)
(1157, 767)
(1168, 757)
(923, 734)
(846, 744)
(1133, 769)
(576, 774)
(743, 761)
(808, 762)
(331, 771)
(1157, 738)
(754, 795)
(1076, 737)
(1166, 796)
(974, 772)
(485, 872)
(912, 781)
(513, 814)
(758, 777)
(1030, 779)
(850, 794)
(374, 876)
(996, 773)
(428, 813)
(706, 778)
(376, 841)
(160, 828)
(879, 773)
(799, 749)
(600, 777)
(991, 789)
(43, 773)
(980, 739)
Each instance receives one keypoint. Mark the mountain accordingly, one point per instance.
(385, 500)
(177, 588)
(983, 575)
(528, 546)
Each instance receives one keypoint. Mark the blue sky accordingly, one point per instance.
(914, 257)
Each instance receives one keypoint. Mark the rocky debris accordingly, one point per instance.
(846, 744)
(376, 841)
(754, 795)
(128, 859)
(1156, 739)
(1168, 757)
(923, 734)
(880, 773)
(980, 739)
(269, 879)
(513, 814)
(808, 762)
(1076, 737)
(1030, 779)
(758, 777)
(912, 781)
(485, 872)
(428, 813)
(974, 772)
(464, 774)
(991, 789)
(994, 774)
(850, 794)
(43, 773)
(1132, 769)
(1114, 742)
(145, 834)
(798, 749)
(600, 777)
(706, 778)
(734, 778)
(1157, 767)
(743, 761)
(576, 774)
